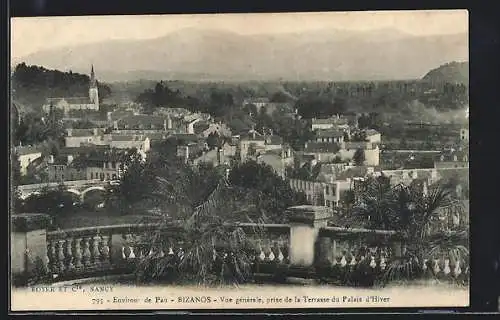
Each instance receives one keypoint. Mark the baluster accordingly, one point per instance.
(78, 253)
(271, 254)
(170, 251)
(53, 256)
(60, 255)
(162, 253)
(280, 256)
(373, 264)
(151, 252)
(353, 260)
(424, 267)
(96, 254)
(343, 261)
(105, 248)
(382, 263)
(69, 254)
(436, 266)
(132, 253)
(86, 252)
(446, 269)
(262, 255)
(457, 271)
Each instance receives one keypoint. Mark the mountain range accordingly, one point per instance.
(453, 72)
(201, 54)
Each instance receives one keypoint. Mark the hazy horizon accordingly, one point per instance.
(56, 32)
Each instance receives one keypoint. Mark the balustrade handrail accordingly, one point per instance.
(278, 228)
(336, 230)
(101, 229)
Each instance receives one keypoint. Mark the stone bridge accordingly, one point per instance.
(77, 187)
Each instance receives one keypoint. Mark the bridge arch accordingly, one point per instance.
(76, 192)
(84, 192)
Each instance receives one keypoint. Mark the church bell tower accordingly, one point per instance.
(93, 91)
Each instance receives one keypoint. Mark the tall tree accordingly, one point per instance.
(359, 157)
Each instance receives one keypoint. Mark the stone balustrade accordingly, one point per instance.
(307, 242)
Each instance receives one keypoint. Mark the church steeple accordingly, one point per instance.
(92, 77)
(93, 90)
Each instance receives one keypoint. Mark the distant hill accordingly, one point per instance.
(31, 85)
(199, 54)
(453, 72)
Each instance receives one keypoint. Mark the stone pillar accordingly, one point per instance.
(305, 223)
(28, 241)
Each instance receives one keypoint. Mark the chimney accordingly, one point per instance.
(96, 131)
(109, 115)
(169, 123)
(70, 132)
(70, 159)
(115, 125)
(51, 159)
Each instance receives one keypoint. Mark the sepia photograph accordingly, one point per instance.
(239, 161)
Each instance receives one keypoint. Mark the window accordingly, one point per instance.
(327, 203)
(327, 189)
(108, 176)
(114, 176)
(91, 175)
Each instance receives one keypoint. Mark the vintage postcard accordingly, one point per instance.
(240, 161)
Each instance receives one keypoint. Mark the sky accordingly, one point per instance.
(29, 35)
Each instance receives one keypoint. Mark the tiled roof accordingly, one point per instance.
(255, 100)
(352, 173)
(321, 147)
(144, 120)
(371, 132)
(333, 120)
(116, 115)
(120, 137)
(70, 100)
(25, 150)
(329, 134)
(274, 139)
(84, 132)
(83, 149)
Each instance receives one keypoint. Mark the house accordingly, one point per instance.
(371, 152)
(189, 151)
(373, 136)
(408, 176)
(273, 142)
(27, 155)
(258, 102)
(104, 166)
(321, 193)
(336, 122)
(61, 169)
(220, 128)
(144, 122)
(139, 142)
(116, 115)
(250, 143)
(76, 137)
(329, 135)
(322, 151)
(278, 159)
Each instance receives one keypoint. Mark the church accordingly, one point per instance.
(76, 103)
